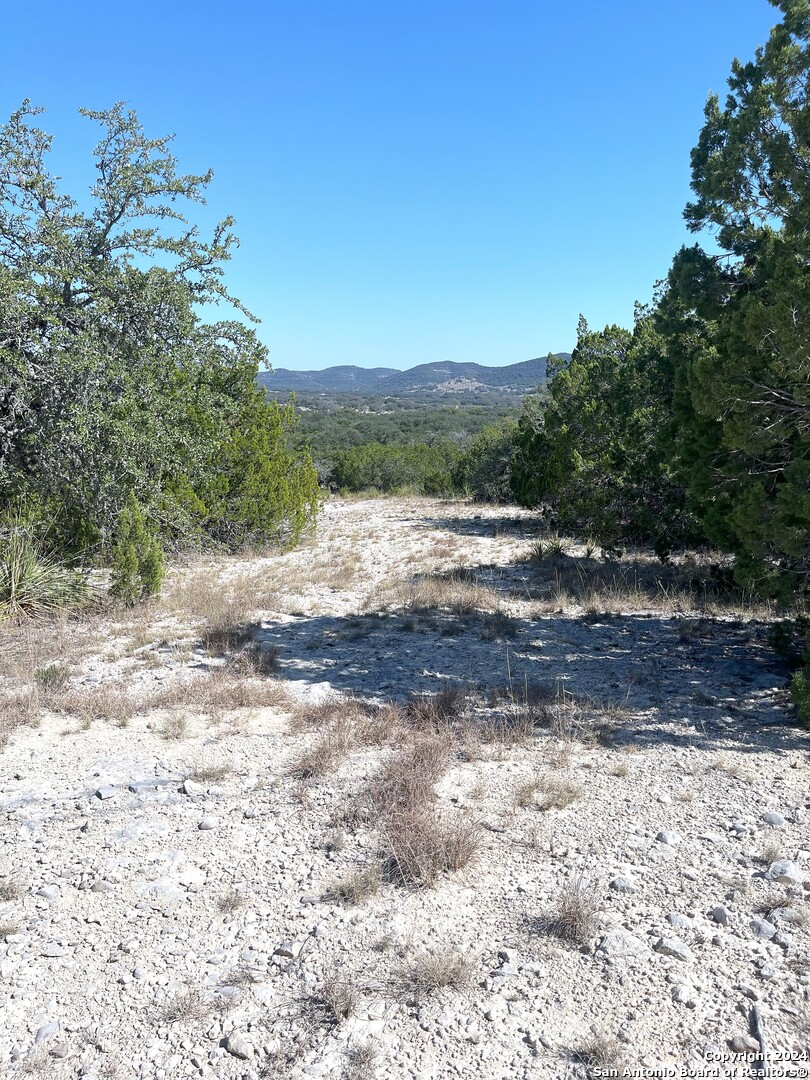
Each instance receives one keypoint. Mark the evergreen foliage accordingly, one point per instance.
(800, 689)
(484, 469)
(137, 558)
(737, 325)
(593, 449)
(110, 383)
(412, 469)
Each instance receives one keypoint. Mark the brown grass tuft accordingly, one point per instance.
(575, 917)
(419, 847)
(329, 750)
(444, 967)
(358, 886)
(436, 712)
(600, 1053)
(547, 793)
(336, 998)
(408, 779)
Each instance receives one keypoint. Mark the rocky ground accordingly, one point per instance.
(417, 799)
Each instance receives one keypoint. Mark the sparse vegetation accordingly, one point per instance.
(363, 1061)
(10, 889)
(555, 793)
(230, 901)
(53, 678)
(336, 997)
(357, 886)
(547, 793)
(439, 968)
(418, 846)
(599, 1052)
(327, 752)
(187, 1007)
(574, 919)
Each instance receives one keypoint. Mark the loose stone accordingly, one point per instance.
(674, 947)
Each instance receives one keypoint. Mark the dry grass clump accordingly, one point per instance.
(184, 1008)
(18, 707)
(220, 599)
(362, 1061)
(419, 847)
(314, 716)
(437, 712)
(330, 749)
(230, 901)
(35, 645)
(226, 633)
(212, 774)
(174, 726)
(255, 659)
(336, 998)
(407, 781)
(244, 974)
(528, 705)
(438, 969)
(378, 725)
(499, 627)
(358, 886)
(771, 852)
(10, 889)
(575, 917)
(548, 793)
(372, 724)
(89, 703)
(600, 1053)
(7, 929)
(455, 593)
(788, 902)
(218, 690)
(639, 582)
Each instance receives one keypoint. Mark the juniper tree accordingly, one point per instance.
(737, 324)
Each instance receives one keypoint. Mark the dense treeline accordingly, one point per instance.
(117, 402)
(696, 424)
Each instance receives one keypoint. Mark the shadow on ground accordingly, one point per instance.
(518, 528)
(655, 684)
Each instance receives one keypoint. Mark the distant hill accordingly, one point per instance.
(446, 377)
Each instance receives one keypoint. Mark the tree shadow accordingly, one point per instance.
(650, 682)
(518, 528)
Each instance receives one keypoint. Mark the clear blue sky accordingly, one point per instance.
(411, 181)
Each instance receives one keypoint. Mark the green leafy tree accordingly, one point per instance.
(111, 383)
(416, 468)
(737, 325)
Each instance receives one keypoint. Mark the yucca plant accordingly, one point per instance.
(33, 584)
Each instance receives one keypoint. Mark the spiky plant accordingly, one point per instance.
(33, 584)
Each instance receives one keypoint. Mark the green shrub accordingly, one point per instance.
(138, 566)
(416, 468)
(485, 468)
(33, 584)
(800, 689)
